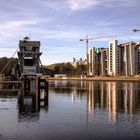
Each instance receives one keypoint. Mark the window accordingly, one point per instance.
(29, 48)
(28, 62)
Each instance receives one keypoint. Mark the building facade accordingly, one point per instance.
(130, 58)
(116, 60)
(29, 57)
(95, 61)
(92, 62)
(104, 61)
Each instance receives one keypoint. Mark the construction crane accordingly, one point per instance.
(87, 41)
(136, 30)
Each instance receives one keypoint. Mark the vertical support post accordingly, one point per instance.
(46, 96)
(41, 84)
(36, 94)
(38, 79)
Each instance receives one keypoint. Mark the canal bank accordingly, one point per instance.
(99, 78)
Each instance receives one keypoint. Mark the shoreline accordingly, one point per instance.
(120, 78)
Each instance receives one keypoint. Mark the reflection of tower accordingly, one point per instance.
(31, 103)
(112, 100)
(90, 96)
(73, 93)
(96, 95)
(90, 100)
(27, 108)
(129, 98)
(113, 96)
(103, 95)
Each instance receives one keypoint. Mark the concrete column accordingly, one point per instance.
(126, 70)
(102, 63)
(131, 54)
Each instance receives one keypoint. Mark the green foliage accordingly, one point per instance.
(63, 68)
(12, 64)
(66, 68)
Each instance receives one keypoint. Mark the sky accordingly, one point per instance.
(59, 25)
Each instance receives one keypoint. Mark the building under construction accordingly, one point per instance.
(116, 60)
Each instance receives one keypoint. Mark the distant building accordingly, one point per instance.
(75, 62)
(60, 75)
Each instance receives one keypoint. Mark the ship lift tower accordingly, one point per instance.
(87, 41)
(29, 64)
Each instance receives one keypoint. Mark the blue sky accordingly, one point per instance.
(59, 24)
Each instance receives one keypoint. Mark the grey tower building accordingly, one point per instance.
(29, 57)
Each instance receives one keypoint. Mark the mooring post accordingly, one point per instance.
(46, 94)
(38, 90)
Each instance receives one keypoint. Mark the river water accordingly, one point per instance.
(76, 110)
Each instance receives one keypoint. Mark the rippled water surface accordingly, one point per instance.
(75, 111)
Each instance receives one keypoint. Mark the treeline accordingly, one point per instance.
(65, 68)
(8, 65)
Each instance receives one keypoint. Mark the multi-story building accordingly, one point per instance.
(93, 62)
(128, 51)
(114, 59)
(130, 58)
(137, 58)
(117, 60)
(104, 62)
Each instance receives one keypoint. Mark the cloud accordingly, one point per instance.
(13, 1)
(76, 5)
(11, 31)
(79, 5)
(55, 5)
(62, 34)
(72, 5)
(8, 52)
(118, 3)
(129, 38)
(18, 23)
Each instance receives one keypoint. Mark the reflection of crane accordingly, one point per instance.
(136, 30)
(87, 41)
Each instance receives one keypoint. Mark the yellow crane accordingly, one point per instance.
(87, 41)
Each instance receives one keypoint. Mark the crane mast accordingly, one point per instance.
(87, 41)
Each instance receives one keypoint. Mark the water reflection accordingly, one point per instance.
(9, 88)
(27, 109)
(77, 110)
(29, 102)
(112, 97)
(30, 105)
